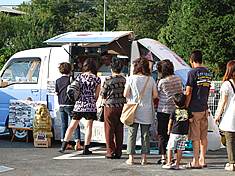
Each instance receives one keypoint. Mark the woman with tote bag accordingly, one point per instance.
(144, 113)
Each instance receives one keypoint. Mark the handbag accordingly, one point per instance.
(73, 90)
(100, 114)
(128, 111)
(100, 111)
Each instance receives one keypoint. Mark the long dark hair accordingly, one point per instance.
(90, 65)
(141, 65)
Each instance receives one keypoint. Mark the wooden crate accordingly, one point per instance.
(42, 143)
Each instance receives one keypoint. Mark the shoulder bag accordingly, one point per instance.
(128, 111)
(232, 86)
(172, 84)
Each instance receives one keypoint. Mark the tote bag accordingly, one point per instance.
(128, 111)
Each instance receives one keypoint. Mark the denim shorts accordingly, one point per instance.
(177, 141)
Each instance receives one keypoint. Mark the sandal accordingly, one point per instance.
(227, 167)
(68, 147)
(173, 161)
(189, 166)
(78, 148)
(162, 161)
(143, 162)
(128, 162)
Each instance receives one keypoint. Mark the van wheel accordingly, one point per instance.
(21, 134)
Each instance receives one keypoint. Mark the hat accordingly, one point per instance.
(105, 54)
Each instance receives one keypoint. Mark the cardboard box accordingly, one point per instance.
(46, 143)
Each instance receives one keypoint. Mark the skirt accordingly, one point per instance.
(86, 115)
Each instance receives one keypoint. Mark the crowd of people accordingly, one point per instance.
(181, 115)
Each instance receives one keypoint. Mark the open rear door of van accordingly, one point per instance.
(117, 41)
(163, 52)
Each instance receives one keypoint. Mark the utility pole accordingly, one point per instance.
(104, 14)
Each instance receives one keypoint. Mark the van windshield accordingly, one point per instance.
(21, 71)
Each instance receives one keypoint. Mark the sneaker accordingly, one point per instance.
(167, 166)
(175, 167)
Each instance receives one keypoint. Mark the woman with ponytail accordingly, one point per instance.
(85, 105)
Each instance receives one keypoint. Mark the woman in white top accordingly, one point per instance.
(227, 105)
(144, 113)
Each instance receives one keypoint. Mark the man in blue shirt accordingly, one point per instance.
(197, 92)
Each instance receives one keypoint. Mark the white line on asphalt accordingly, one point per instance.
(4, 169)
(74, 154)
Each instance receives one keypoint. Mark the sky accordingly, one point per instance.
(11, 2)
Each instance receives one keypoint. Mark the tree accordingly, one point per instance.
(202, 24)
(24, 32)
(6, 32)
(144, 18)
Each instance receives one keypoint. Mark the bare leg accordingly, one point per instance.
(89, 124)
(163, 156)
(196, 148)
(69, 132)
(179, 156)
(203, 152)
(175, 157)
(169, 156)
(78, 144)
(131, 158)
(143, 158)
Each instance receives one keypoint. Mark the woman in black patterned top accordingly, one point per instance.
(113, 100)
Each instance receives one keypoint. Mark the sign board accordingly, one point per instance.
(21, 113)
(50, 87)
(41, 136)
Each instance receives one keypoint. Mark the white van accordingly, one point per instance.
(29, 73)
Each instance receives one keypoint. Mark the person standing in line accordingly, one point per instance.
(178, 130)
(112, 97)
(85, 105)
(144, 115)
(65, 104)
(227, 104)
(168, 85)
(106, 58)
(197, 92)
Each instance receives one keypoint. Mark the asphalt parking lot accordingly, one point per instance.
(21, 158)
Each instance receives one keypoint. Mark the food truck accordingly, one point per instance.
(31, 74)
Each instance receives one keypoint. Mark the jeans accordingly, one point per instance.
(145, 140)
(65, 112)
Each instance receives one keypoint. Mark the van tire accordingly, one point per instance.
(21, 134)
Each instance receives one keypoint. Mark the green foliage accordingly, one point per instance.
(182, 25)
(207, 25)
